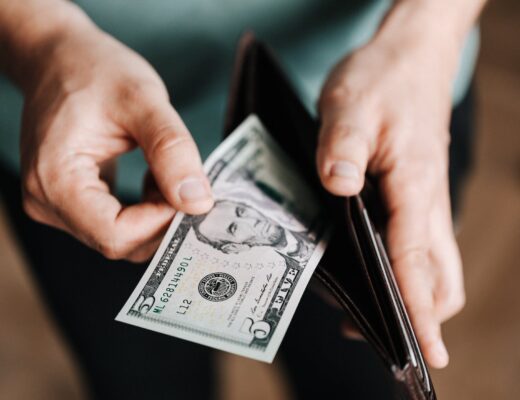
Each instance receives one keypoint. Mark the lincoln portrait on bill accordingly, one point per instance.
(233, 227)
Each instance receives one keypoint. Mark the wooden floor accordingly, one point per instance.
(483, 340)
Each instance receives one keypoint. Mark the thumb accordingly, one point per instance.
(173, 158)
(344, 145)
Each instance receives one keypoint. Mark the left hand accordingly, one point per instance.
(386, 109)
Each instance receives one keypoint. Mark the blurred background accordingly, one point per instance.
(483, 340)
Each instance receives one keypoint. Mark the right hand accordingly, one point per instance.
(385, 109)
(90, 99)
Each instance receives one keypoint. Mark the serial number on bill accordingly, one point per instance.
(174, 281)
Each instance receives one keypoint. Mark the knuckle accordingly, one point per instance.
(458, 302)
(111, 247)
(31, 185)
(340, 131)
(417, 188)
(47, 177)
(131, 91)
(343, 139)
(428, 335)
(30, 209)
(455, 303)
(330, 136)
(416, 258)
(32, 192)
(166, 140)
(334, 96)
(347, 95)
(139, 91)
(418, 177)
(425, 170)
(75, 100)
(138, 257)
(416, 156)
(110, 250)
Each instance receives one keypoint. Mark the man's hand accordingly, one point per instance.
(89, 99)
(386, 110)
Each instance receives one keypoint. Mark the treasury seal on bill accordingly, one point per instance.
(217, 286)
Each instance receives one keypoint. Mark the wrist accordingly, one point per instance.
(449, 19)
(424, 32)
(30, 38)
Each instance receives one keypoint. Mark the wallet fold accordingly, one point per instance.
(354, 268)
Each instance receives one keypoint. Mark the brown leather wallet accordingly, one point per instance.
(355, 268)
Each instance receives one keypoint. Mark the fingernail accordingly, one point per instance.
(193, 189)
(345, 169)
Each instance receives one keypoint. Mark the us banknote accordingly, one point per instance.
(232, 278)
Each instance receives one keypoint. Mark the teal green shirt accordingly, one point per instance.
(191, 44)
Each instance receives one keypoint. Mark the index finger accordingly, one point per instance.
(86, 206)
(409, 200)
(171, 153)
